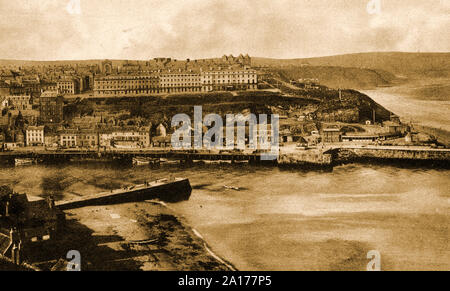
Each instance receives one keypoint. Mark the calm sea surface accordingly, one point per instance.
(291, 219)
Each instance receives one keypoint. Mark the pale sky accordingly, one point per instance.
(145, 29)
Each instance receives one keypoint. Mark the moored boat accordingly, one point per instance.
(24, 161)
(169, 161)
(140, 161)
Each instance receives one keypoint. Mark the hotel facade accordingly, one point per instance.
(180, 82)
(125, 85)
(71, 86)
(229, 80)
(175, 82)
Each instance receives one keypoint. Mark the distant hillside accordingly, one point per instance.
(357, 71)
(337, 77)
(46, 63)
(412, 65)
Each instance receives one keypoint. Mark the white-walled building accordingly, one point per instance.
(19, 102)
(126, 85)
(68, 138)
(34, 135)
(180, 82)
(68, 86)
(125, 137)
(222, 80)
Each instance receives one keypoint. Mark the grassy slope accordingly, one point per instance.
(364, 70)
(338, 77)
(407, 64)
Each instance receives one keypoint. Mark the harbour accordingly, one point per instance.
(311, 210)
(325, 156)
(148, 136)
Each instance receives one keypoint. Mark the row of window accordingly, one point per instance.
(129, 78)
(113, 92)
(127, 82)
(123, 87)
(181, 80)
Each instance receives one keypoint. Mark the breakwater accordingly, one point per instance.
(164, 190)
(442, 135)
(373, 153)
(312, 157)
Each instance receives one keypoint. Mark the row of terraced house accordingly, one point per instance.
(131, 137)
(175, 82)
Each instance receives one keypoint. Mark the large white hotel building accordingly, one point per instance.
(175, 82)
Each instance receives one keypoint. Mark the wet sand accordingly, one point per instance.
(145, 236)
(426, 102)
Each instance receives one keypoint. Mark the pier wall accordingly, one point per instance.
(442, 135)
(305, 157)
(168, 192)
(392, 154)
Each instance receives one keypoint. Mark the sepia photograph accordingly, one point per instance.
(213, 137)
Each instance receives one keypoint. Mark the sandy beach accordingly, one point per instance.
(145, 236)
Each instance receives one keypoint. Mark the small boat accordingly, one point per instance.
(241, 162)
(139, 161)
(25, 161)
(169, 161)
(231, 187)
(212, 162)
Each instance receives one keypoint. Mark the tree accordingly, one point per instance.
(19, 123)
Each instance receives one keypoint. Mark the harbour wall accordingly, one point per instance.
(382, 153)
(175, 191)
(442, 135)
(305, 158)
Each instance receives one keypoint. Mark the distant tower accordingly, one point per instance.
(107, 67)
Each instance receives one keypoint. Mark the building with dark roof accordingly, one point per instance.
(51, 107)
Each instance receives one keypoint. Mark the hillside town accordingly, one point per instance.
(40, 105)
(224, 142)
